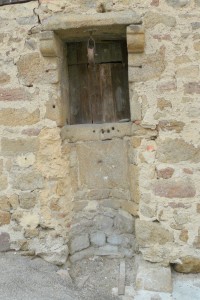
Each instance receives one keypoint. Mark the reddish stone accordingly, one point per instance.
(176, 205)
(166, 86)
(174, 189)
(187, 171)
(155, 3)
(165, 173)
(31, 131)
(161, 37)
(150, 148)
(16, 94)
(192, 88)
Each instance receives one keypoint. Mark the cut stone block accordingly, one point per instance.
(153, 277)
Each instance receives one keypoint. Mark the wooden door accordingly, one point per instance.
(98, 93)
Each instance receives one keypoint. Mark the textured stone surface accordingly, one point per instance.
(152, 277)
(148, 233)
(174, 189)
(79, 243)
(98, 238)
(188, 264)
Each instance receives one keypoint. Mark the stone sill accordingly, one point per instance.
(102, 132)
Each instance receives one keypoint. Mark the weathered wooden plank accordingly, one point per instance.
(120, 90)
(95, 93)
(106, 52)
(74, 94)
(7, 2)
(122, 278)
(85, 106)
(108, 104)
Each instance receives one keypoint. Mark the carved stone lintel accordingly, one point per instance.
(135, 39)
(49, 44)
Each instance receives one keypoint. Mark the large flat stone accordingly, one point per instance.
(103, 164)
(153, 277)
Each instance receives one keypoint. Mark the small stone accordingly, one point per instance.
(162, 104)
(189, 264)
(169, 125)
(103, 222)
(4, 218)
(184, 235)
(177, 3)
(124, 222)
(27, 200)
(107, 250)
(115, 239)
(4, 241)
(154, 3)
(28, 181)
(165, 173)
(98, 238)
(89, 252)
(79, 243)
(192, 88)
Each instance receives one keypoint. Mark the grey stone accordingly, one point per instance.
(98, 238)
(79, 243)
(53, 250)
(28, 181)
(4, 241)
(103, 222)
(195, 25)
(124, 222)
(153, 277)
(107, 250)
(89, 252)
(197, 2)
(115, 239)
(177, 3)
(27, 200)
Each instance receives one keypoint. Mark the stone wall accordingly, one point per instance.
(43, 206)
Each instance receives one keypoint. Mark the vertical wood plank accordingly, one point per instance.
(74, 94)
(108, 104)
(95, 93)
(120, 90)
(85, 107)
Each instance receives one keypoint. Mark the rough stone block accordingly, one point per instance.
(192, 88)
(188, 264)
(4, 218)
(27, 200)
(103, 165)
(115, 239)
(29, 180)
(4, 78)
(4, 242)
(165, 173)
(14, 94)
(13, 117)
(124, 222)
(14, 147)
(79, 243)
(98, 238)
(153, 277)
(174, 189)
(107, 250)
(148, 233)
(151, 19)
(176, 150)
(177, 3)
(103, 222)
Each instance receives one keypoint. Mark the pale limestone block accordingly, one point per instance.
(49, 44)
(153, 277)
(135, 39)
